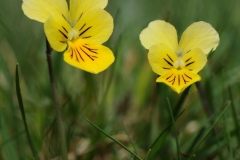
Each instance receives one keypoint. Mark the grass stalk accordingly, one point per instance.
(207, 108)
(21, 106)
(160, 135)
(175, 129)
(234, 114)
(130, 139)
(204, 99)
(56, 103)
(119, 143)
(211, 128)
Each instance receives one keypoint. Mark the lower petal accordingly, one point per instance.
(93, 58)
(179, 80)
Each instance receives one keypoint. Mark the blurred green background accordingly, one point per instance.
(125, 101)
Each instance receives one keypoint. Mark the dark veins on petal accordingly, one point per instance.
(169, 61)
(85, 31)
(78, 52)
(185, 78)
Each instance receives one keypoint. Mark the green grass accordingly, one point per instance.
(124, 101)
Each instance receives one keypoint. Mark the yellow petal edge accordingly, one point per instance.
(159, 31)
(179, 80)
(199, 35)
(88, 56)
(40, 10)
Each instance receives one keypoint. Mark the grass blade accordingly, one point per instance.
(119, 143)
(20, 102)
(211, 128)
(155, 146)
(204, 99)
(199, 135)
(175, 129)
(234, 114)
(179, 103)
(146, 157)
(130, 139)
(155, 142)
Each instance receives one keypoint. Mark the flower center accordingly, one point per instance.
(179, 63)
(73, 34)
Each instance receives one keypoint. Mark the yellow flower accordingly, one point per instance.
(81, 29)
(178, 64)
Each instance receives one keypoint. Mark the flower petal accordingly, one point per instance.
(161, 58)
(40, 10)
(57, 31)
(88, 56)
(179, 80)
(199, 35)
(79, 7)
(96, 26)
(195, 60)
(159, 32)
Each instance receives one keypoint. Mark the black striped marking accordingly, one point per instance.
(65, 29)
(185, 78)
(168, 62)
(63, 34)
(77, 53)
(85, 31)
(190, 63)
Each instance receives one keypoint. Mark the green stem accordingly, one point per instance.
(204, 99)
(56, 103)
(119, 143)
(20, 102)
(175, 128)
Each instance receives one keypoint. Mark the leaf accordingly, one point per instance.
(119, 143)
(20, 102)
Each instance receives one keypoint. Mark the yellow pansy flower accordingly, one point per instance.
(81, 29)
(178, 64)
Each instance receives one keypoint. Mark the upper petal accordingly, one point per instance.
(95, 26)
(179, 80)
(199, 35)
(88, 56)
(195, 60)
(159, 32)
(58, 32)
(161, 58)
(80, 7)
(40, 10)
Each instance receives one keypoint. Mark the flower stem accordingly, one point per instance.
(204, 99)
(56, 103)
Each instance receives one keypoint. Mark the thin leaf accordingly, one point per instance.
(119, 143)
(180, 101)
(234, 114)
(211, 128)
(157, 143)
(146, 157)
(130, 139)
(175, 129)
(199, 135)
(20, 102)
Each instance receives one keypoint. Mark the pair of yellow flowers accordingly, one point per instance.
(81, 28)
